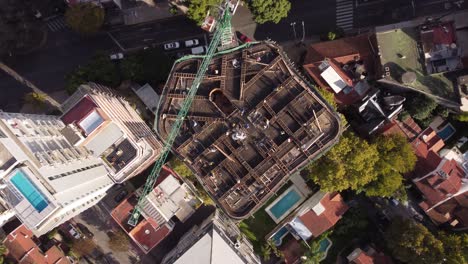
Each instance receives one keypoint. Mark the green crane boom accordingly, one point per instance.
(223, 24)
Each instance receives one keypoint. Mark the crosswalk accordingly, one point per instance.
(344, 14)
(56, 24)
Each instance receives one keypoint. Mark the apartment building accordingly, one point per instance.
(44, 179)
(216, 240)
(109, 127)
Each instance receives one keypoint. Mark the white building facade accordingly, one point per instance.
(110, 128)
(44, 179)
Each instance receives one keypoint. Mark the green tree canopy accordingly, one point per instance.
(83, 247)
(118, 241)
(85, 18)
(269, 10)
(198, 9)
(396, 158)
(147, 66)
(348, 165)
(328, 96)
(411, 242)
(100, 69)
(420, 106)
(455, 246)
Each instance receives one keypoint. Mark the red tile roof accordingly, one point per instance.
(363, 258)
(334, 209)
(22, 247)
(407, 128)
(147, 237)
(340, 51)
(436, 188)
(79, 111)
(369, 257)
(146, 234)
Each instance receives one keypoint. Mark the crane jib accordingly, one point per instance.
(167, 145)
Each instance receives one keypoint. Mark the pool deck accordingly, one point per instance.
(301, 185)
(285, 214)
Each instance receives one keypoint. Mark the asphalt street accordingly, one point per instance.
(64, 50)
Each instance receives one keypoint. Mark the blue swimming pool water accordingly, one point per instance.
(446, 133)
(324, 243)
(277, 237)
(283, 205)
(29, 191)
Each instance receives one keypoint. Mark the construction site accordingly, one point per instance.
(253, 122)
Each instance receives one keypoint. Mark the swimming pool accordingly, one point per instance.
(287, 202)
(29, 190)
(278, 236)
(325, 245)
(446, 132)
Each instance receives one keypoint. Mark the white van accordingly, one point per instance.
(199, 50)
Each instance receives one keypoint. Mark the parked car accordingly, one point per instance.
(171, 45)
(84, 229)
(119, 197)
(191, 43)
(394, 201)
(199, 50)
(74, 232)
(243, 38)
(116, 56)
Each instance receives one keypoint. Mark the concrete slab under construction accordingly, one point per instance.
(253, 122)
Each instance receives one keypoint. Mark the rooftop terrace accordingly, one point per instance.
(403, 62)
(253, 122)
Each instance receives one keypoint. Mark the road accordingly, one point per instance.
(64, 50)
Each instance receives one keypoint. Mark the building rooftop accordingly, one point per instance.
(22, 247)
(169, 198)
(351, 61)
(420, 58)
(253, 122)
(324, 214)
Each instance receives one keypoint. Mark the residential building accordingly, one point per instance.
(374, 111)
(168, 199)
(442, 181)
(425, 58)
(440, 175)
(216, 240)
(22, 247)
(44, 179)
(343, 66)
(316, 215)
(109, 128)
(368, 256)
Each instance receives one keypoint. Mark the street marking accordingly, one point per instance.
(115, 41)
(345, 14)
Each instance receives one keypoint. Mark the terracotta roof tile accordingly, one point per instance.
(334, 209)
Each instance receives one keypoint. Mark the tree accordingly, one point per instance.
(118, 241)
(179, 166)
(266, 251)
(83, 247)
(420, 106)
(463, 117)
(396, 158)
(455, 246)
(348, 165)
(411, 242)
(85, 18)
(328, 96)
(18, 30)
(269, 10)
(147, 66)
(198, 9)
(313, 255)
(100, 69)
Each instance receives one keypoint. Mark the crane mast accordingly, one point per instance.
(223, 24)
